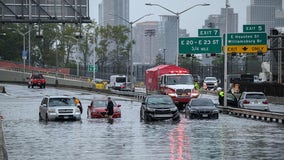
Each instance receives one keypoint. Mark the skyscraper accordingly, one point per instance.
(113, 12)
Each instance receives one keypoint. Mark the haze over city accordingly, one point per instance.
(191, 20)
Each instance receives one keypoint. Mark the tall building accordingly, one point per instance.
(114, 12)
(219, 21)
(167, 37)
(266, 12)
(145, 47)
(271, 14)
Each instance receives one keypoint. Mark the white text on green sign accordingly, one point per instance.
(200, 45)
(208, 32)
(235, 39)
(254, 28)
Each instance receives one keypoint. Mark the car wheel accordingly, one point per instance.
(176, 119)
(40, 86)
(43, 85)
(40, 118)
(29, 86)
(146, 118)
(216, 116)
(32, 86)
(191, 116)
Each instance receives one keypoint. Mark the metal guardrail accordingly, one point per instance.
(254, 114)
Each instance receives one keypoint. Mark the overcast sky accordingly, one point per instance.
(191, 20)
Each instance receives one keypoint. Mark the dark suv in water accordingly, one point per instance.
(158, 107)
(36, 80)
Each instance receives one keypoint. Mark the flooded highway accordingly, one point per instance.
(127, 138)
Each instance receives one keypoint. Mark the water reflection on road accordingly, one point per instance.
(128, 138)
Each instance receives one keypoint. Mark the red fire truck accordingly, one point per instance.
(173, 81)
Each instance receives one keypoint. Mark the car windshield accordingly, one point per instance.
(120, 79)
(179, 79)
(201, 102)
(210, 79)
(37, 77)
(160, 100)
(61, 102)
(101, 103)
(255, 96)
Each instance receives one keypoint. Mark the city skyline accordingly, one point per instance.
(139, 9)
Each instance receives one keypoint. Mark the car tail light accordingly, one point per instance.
(246, 102)
(265, 102)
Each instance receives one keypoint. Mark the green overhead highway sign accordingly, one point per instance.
(208, 32)
(195, 45)
(235, 39)
(254, 28)
(91, 68)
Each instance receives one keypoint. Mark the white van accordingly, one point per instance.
(117, 81)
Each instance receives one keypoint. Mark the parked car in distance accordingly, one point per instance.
(231, 100)
(97, 109)
(210, 83)
(158, 107)
(201, 108)
(127, 86)
(36, 80)
(253, 100)
(58, 108)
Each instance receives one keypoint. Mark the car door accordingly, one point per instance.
(43, 108)
(241, 99)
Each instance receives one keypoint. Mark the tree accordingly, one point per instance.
(159, 59)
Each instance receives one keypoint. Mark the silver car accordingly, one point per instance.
(253, 100)
(58, 108)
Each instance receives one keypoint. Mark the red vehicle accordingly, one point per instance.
(97, 109)
(37, 80)
(173, 81)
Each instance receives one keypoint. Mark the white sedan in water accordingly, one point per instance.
(253, 100)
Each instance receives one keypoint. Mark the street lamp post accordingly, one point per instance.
(24, 44)
(177, 15)
(131, 38)
(225, 55)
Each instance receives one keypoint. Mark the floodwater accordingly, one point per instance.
(127, 138)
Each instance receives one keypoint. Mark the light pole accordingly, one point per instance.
(177, 15)
(131, 38)
(225, 55)
(24, 44)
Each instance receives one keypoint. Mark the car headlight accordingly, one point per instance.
(150, 109)
(173, 109)
(52, 110)
(172, 94)
(77, 110)
(215, 111)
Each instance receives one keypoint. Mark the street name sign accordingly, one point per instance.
(254, 28)
(247, 49)
(208, 32)
(195, 45)
(235, 39)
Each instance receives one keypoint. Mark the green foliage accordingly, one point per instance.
(159, 59)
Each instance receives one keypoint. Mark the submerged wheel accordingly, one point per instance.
(40, 118)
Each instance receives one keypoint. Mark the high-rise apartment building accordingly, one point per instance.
(266, 12)
(145, 47)
(114, 12)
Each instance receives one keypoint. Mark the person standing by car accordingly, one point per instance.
(78, 104)
(221, 97)
(109, 109)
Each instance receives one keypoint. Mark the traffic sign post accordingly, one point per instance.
(254, 28)
(196, 45)
(208, 32)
